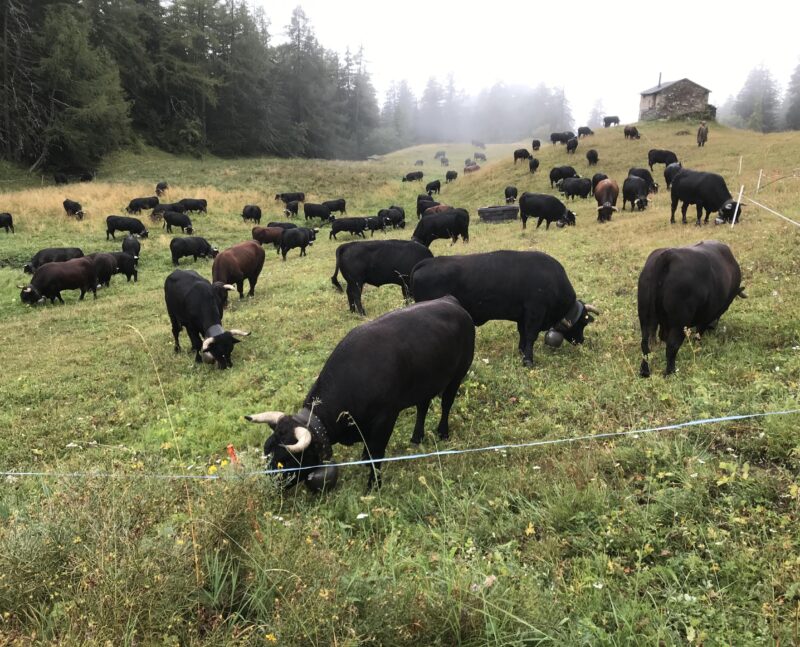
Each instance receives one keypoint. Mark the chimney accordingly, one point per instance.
(659, 79)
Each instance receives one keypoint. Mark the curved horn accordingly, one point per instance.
(590, 308)
(268, 417)
(229, 287)
(303, 436)
(238, 333)
(206, 343)
(22, 287)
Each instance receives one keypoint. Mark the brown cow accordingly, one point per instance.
(472, 168)
(439, 208)
(606, 193)
(265, 235)
(237, 263)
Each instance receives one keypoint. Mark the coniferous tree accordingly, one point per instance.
(758, 101)
(792, 101)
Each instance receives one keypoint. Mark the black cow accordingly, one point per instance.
(424, 205)
(631, 132)
(585, 131)
(137, 204)
(521, 154)
(444, 161)
(658, 156)
(479, 156)
(132, 246)
(194, 204)
(671, 171)
(193, 246)
(511, 194)
(163, 207)
(544, 207)
(682, 288)
(301, 237)
(51, 255)
(529, 288)
(355, 226)
(374, 373)
(161, 188)
(312, 210)
(252, 212)
(60, 178)
(394, 216)
(87, 176)
(49, 279)
(635, 191)
(286, 198)
(561, 138)
(124, 223)
(470, 162)
(195, 304)
(610, 121)
(433, 187)
(175, 219)
(336, 206)
(440, 154)
(596, 178)
(606, 192)
(592, 157)
(706, 190)
(73, 208)
(282, 225)
(126, 264)
(379, 262)
(105, 266)
(291, 208)
(572, 145)
(450, 224)
(375, 223)
(416, 176)
(652, 186)
(450, 176)
(536, 144)
(7, 222)
(561, 173)
(576, 186)
(533, 164)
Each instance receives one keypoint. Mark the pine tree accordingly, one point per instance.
(596, 115)
(757, 102)
(792, 101)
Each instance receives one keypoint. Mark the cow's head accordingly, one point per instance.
(214, 252)
(568, 218)
(144, 233)
(728, 210)
(29, 294)
(189, 230)
(27, 268)
(641, 204)
(220, 347)
(604, 211)
(653, 188)
(571, 326)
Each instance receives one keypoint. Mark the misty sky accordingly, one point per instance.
(607, 49)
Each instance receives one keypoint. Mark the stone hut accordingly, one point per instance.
(683, 98)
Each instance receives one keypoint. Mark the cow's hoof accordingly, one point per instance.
(444, 436)
(644, 370)
(416, 441)
(527, 363)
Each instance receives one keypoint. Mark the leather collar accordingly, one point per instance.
(215, 330)
(571, 319)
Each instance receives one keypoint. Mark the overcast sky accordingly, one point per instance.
(608, 49)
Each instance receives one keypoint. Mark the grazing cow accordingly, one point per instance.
(160, 209)
(536, 144)
(682, 288)
(544, 207)
(521, 154)
(658, 156)
(561, 173)
(87, 176)
(533, 164)
(436, 208)
(193, 246)
(374, 373)
(419, 163)
(336, 206)
(643, 173)
(396, 217)
(511, 194)
(375, 223)
(450, 224)
(137, 204)
(606, 192)
(433, 187)
(124, 223)
(469, 162)
(51, 255)
(60, 178)
(252, 212)
(282, 225)
(529, 288)
(440, 154)
(237, 263)
(286, 198)
(610, 121)
(585, 131)
(50, 279)
(572, 186)
(291, 208)
(126, 264)
(472, 169)
(479, 144)
(424, 205)
(195, 304)
(592, 157)
(379, 262)
(268, 236)
(416, 176)
(450, 176)
(444, 161)
(175, 219)
(73, 208)
(561, 138)
(132, 246)
(634, 190)
(105, 266)
(7, 222)
(312, 210)
(161, 188)
(572, 145)
(479, 156)
(671, 171)
(355, 226)
(301, 237)
(596, 178)
(631, 132)
(706, 190)
(194, 204)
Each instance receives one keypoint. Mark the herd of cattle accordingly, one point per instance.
(378, 369)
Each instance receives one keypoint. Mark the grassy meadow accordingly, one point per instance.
(684, 537)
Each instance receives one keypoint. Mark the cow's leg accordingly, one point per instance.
(547, 226)
(283, 252)
(448, 397)
(419, 425)
(354, 297)
(674, 339)
(379, 432)
(197, 343)
(521, 331)
(531, 324)
(684, 208)
(252, 280)
(176, 331)
(644, 368)
(673, 208)
(539, 222)
(708, 213)
(700, 213)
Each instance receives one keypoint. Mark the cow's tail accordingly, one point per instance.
(335, 277)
